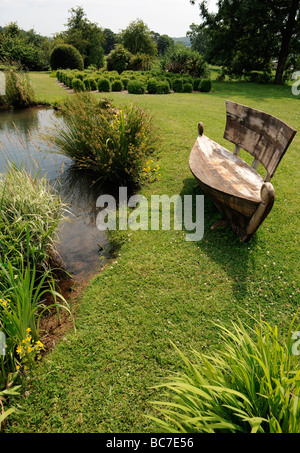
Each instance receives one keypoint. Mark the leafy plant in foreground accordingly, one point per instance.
(251, 385)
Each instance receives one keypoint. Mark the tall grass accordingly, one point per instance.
(251, 385)
(19, 91)
(30, 213)
(27, 203)
(114, 144)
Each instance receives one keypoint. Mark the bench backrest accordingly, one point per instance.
(262, 135)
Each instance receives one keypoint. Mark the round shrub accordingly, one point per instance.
(196, 84)
(205, 85)
(187, 88)
(87, 84)
(93, 83)
(136, 87)
(178, 85)
(117, 85)
(104, 85)
(152, 86)
(66, 56)
(125, 81)
(163, 87)
(78, 85)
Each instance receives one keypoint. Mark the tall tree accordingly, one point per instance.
(86, 36)
(245, 35)
(137, 38)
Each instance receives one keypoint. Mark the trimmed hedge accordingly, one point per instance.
(136, 87)
(66, 56)
(104, 85)
(205, 85)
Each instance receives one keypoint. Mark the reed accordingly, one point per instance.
(114, 144)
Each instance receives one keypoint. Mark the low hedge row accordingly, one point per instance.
(136, 82)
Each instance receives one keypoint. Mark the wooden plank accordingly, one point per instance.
(264, 136)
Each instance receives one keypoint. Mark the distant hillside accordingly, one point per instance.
(185, 40)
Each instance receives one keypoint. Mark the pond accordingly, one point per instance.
(82, 248)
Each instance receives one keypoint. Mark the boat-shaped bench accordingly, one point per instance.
(236, 188)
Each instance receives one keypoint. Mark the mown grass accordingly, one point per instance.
(159, 287)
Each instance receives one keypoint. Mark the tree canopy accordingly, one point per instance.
(137, 38)
(246, 35)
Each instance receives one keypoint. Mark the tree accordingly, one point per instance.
(86, 37)
(118, 59)
(110, 40)
(26, 49)
(137, 38)
(198, 38)
(246, 35)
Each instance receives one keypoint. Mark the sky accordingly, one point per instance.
(47, 17)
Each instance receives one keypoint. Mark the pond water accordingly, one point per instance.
(23, 141)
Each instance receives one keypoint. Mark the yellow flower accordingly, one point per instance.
(19, 349)
(28, 330)
(40, 344)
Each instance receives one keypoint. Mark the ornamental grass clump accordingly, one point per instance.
(30, 212)
(251, 385)
(112, 143)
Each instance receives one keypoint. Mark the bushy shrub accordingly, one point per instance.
(117, 85)
(93, 84)
(136, 87)
(178, 85)
(187, 88)
(78, 85)
(114, 144)
(87, 84)
(66, 56)
(152, 86)
(104, 85)
(125, 81)
(205, 85)
(196, 84)
(19, 91)
(118, 59)
(163, 87)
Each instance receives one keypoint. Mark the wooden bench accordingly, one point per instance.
(238, 191)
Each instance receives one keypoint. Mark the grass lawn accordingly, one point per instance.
(161, 288)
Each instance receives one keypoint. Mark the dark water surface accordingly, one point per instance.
(23, 141)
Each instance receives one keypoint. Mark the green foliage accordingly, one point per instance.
(163, 87)
(78, 85)
(66, 56)
(187, 87)
(28, 50)
(87, 37)
(117, 85)
(251, 385)
(104, 85)
(269, 31)
(205, 85)
(19, 91)
(40, 211)
(114, 144)
(136, 87)
(118, 59)
(152, 86)
(178, 85)
(181, 60)
(137, 39)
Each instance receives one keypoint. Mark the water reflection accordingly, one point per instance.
(22, 140)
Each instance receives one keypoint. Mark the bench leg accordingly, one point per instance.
(267, 200)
